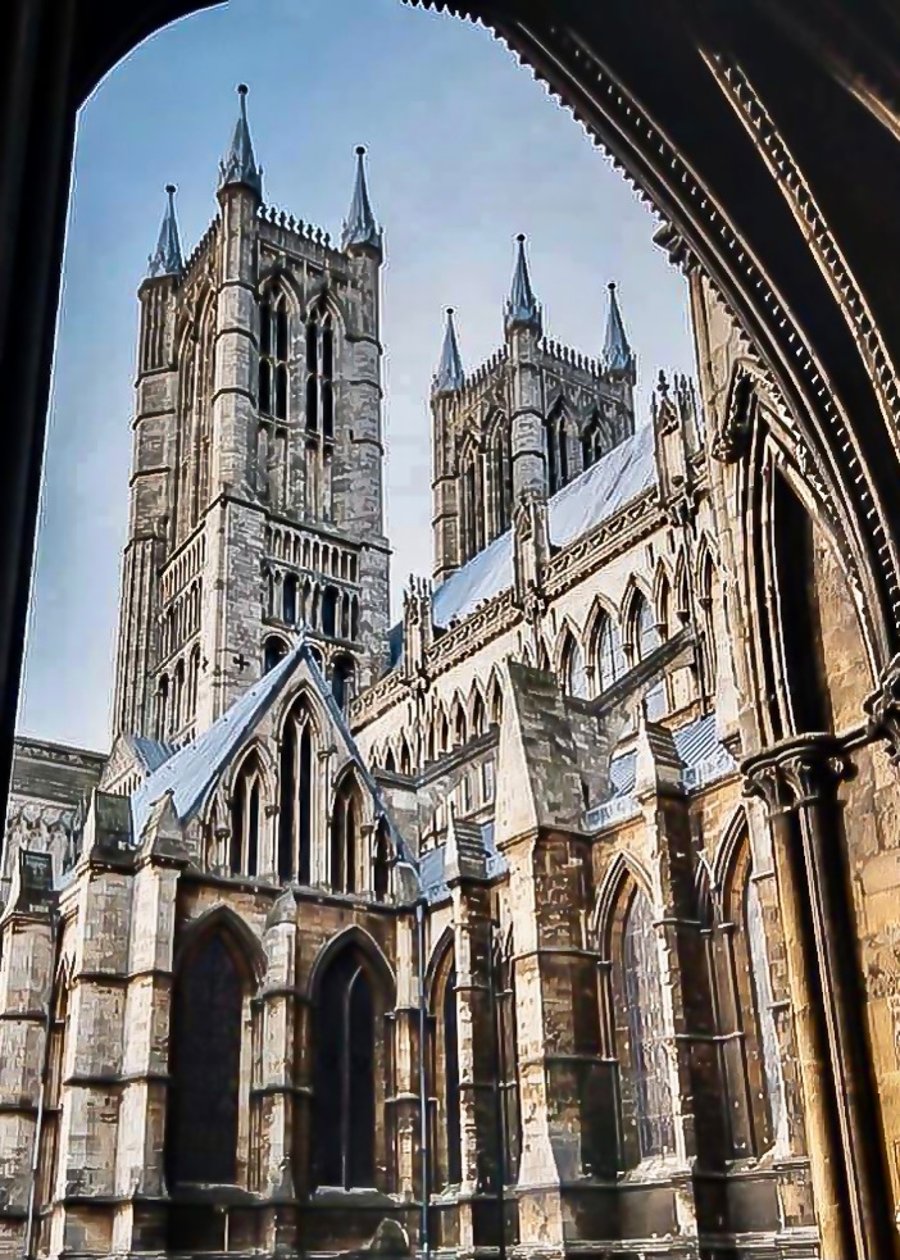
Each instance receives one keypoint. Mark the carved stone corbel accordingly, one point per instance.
(883, 710)
(730, 441)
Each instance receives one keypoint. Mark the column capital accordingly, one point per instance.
(883, 710)
(801, 770)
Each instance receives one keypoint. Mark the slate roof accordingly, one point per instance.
(705, 760)
(431, 866)
(597, 494)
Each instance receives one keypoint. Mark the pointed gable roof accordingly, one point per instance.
(239, 164)
(192, 773)
(449, 376)
(166, 260)
(360, 227)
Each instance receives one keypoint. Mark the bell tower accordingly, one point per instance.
(257, 479)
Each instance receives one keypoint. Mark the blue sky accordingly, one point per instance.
(465, 150)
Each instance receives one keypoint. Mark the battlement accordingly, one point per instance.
(201, 249)
(571, 358)
(308, 233)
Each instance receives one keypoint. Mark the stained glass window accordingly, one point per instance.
(648, 1066)
(610, 659)
(574, 675)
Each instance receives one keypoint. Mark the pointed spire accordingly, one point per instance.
(617, 355)
(239, 164)
(522, 309)
(360, 227)
(449, 376)
(167, 260)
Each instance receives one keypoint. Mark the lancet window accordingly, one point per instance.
(556, 442)
(573, 670)
(472, 486)
(343, 676)
(609, 659)
(645, 640)
(274, 650)
(246, 818)
(348, 1054)
(501, 488)
(320, 372)
(345, 837)
(295, 812)
(508, 1056)
(445, 1077)
(592, 440)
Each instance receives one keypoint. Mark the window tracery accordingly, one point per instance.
(573, 669)
(246, 811)
(556, 444)
(295, 812)
(608, 655)
(345, 825)
(501, 477)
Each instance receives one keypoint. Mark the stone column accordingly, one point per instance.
(276, 1087)
(467, 878)
(406, 1102)
(798, 781)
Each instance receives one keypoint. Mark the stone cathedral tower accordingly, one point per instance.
(256, 485)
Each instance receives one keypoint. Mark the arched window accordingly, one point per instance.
(329, 611)
(178, 697)
(405, 757)
(708, 629)
(556, 443)
(591, 440)
(275, 649)
(607, 652)
(162, 707)
(246, 818)
(345, 1074)
(445, 1075)
(496, 703)
(472, 533)
(320, 372)
(205, 1060)
(479, 717)
(645, 1095)
(742, 1002)
(390, 761)
(573, 671)
(381, 873)
(664, 607)
(460, 735)
(645, 639)
(289, 588)
(343, 677)
(501, 477)
(273, 357)
(296, 788)
(193, 681)
(345, 822)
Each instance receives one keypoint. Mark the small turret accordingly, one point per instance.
(618, 359)
(522, 309)
(167, 259)
(239, 164)
(360, 229)
(449, 376)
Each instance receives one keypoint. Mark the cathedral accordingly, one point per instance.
(466, 935)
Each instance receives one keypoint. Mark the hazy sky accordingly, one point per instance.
(465, 150)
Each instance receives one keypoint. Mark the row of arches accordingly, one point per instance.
(181, 619)
(324, 607)
(176, 695)
(306, 552)
(340, 672)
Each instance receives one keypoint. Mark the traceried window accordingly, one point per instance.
(345, 824)
(643, 1063)
(381, 862)
(207, 1019)
(246, 818)
(345, 1084)
(608, 656)
(296, 788)
(574, 674)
